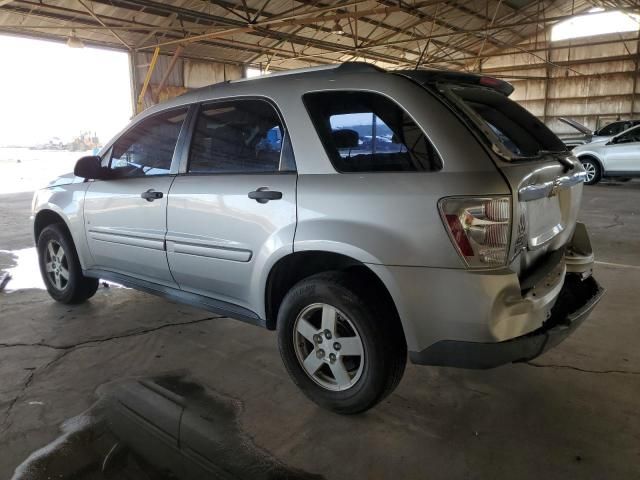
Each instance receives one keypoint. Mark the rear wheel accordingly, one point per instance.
(592, 169)
(345, 351)
(60, 267)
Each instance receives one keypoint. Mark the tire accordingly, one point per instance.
(58, 258)
(334, 298)
(594, 172)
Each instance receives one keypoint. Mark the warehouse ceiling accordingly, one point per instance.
(282, 34)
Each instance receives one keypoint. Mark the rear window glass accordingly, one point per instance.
(367, 132)
(519, 132)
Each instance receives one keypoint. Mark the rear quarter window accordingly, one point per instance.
(368, 132)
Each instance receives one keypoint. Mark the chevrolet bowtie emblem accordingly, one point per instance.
(554, 189)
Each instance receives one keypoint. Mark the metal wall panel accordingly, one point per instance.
(200, 74)
(175, 78)
(593, 84)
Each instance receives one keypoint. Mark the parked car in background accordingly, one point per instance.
(588, 136)
(613, 157)
(362, 214)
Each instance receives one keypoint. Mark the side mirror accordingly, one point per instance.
(89, 167)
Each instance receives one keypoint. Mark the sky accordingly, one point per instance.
(50, 90)
(597, 22)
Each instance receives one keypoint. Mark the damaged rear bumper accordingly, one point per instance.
(575, 302)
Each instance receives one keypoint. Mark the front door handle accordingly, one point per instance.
(263, 195)
(151, 195)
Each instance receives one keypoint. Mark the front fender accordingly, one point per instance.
(68, 203)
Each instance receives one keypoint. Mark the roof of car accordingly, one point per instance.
(348, 68)
(332, 71)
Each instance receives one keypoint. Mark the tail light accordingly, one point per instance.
(479, 228)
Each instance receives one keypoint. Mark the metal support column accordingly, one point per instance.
(147, 79)
(133, 79)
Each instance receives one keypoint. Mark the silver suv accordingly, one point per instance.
(360, 213)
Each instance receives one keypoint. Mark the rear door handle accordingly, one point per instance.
(263, 195)
(151, 195)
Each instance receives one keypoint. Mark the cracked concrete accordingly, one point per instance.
(584, 370)
(66, 349)
(109, 338)
(572, 413)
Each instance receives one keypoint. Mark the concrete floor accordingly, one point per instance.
(572, 413)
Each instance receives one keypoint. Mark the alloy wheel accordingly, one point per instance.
(56, 265)
(590, 170)
(328, 347)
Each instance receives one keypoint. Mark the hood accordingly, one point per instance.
(65, 179)
(591, 145)
(578, 126)
(600, 138)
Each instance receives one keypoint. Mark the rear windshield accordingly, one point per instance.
(504, 121)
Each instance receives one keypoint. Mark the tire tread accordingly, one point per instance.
(392, 356)
(82, 288)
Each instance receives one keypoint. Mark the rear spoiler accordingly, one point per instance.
(442, 76)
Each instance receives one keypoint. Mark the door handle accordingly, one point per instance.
(151, 195)
(263, 195)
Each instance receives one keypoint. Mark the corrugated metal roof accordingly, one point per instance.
(297, 33)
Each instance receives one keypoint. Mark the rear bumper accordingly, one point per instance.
(575, 302)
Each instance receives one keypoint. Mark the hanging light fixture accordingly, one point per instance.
(337, 28)
(74, 42)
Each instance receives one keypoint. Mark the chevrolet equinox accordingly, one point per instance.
(365, 215)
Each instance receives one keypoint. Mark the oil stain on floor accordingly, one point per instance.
(156, 429)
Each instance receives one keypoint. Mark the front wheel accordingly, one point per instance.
(592, 169)
(60, 267)
(345, 351)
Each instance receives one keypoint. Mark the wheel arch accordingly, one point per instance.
(46, 217)
(297, 266)
(591, 156)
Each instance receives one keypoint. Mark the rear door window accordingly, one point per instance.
(240, 136)
(367, 132)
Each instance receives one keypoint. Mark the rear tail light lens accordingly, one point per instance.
(479, 228)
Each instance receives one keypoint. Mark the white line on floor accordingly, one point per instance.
(619, 265)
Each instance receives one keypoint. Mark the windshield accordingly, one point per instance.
(502, 120)
(615, 128)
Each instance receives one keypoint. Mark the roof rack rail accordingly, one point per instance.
(345, 67)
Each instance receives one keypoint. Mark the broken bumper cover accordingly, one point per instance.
(575, 302)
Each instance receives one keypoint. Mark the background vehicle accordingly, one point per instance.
(588, 136)
(413, 211)
(617, 157)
